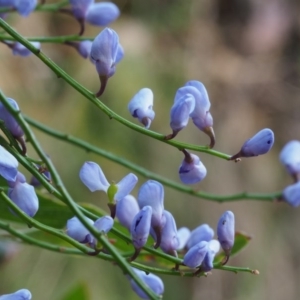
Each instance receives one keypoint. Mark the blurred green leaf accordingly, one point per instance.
(79, 292)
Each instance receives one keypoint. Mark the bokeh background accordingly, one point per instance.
(247, 53)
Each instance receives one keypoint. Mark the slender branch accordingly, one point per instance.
(53, 40)
(122, 262)
(92, 98)
(144, 172)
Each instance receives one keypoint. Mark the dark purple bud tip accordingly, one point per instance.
(157, 231)
(103, 82)
(171, 135)
(135, 255)
(210, 132)
(22, 143)
(112, 208)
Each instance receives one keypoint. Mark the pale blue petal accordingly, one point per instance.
(102, 13)
(125, 186)
(8, 165)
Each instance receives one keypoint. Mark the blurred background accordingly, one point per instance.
(247, 54)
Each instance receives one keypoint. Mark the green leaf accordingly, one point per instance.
(79, 292)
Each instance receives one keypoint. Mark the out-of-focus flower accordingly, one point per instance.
(151, 280)
(22, 294)
(99, 14)
(259, 144)
(19, 49)
(24, 7)
(202, 233)
(126, 210)
(94, 179)
(152, 193)
(290, 158)
(183, 235)
(23, 195)
(192, 170)
(194, 257)
(180, 113)
(141, 107)
(291, 194)
(8, 164)
(226, 233)
(105, 54)
(83, 47)
(140, 229)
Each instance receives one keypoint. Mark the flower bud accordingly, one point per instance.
(201, 233)
(21, 50)
(290, 158)
(183, 235)
(192, 170)
(126, 210)
(140, 229)
(22, 294)
(25, 7)
(259, 144)
(23, 195)
(194, 257)
(152, 193)
(77, 231)
(104, 224)
(103, 13)
(152, 281)
(79, 8)
(8, 164)
(141, 107)
(226, 232)
(208, 262)
(180, 113)
(104, 52)
(169, 239)
(291, 194)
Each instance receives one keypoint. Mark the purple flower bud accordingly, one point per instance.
(201, 233)
(22, 294)
(104, 53)
(291, 194)
(169, 239)
(180, 113)
(76, 230)
(24, 196)
(152, 193)
(94, 179)
(8, 164)
(226, 231)
(140, 227)
(9, 121)
(208, 262)
(101, 14)
(192, 170)
(194, 257)
(19, 178)
(25, 7)
(183, 235)
(104, 224)
(79, 8)
(290, 158)
(259, 144)
(141, 107)
(151, 280)
(126, 210)
(19, 49)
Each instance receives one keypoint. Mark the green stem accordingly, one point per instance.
(53, 40)
(122, 262)
(92, 98)
(144, 172)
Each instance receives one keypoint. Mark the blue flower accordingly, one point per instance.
(202, 233)
(77, 231)
(290, 158)
(99, 14)
(291, 194)
(208, 262)
(83, 47)
(24, 7)
(226, 233)
(183, 235)
(22, 294)
(21, 50)
(192, 170)
(151, 280)
(259, 144)
(23, 195)
(8, 165)
(141, 107)
(194, 257)
(105, 54)
(152, 193)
